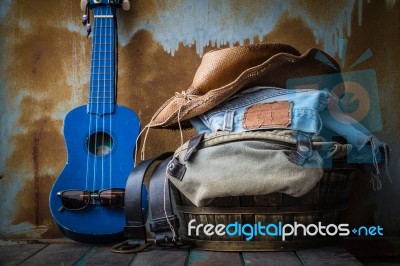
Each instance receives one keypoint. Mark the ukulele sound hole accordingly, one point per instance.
(100, 143)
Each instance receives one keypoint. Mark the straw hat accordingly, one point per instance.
(225, 72)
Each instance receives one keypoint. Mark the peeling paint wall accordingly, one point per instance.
(45, 64)
(215, 22)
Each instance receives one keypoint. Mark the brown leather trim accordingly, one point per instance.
(268, 115)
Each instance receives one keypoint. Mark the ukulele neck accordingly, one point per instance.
(102, 96)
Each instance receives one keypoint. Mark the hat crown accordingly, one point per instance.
(223, 66)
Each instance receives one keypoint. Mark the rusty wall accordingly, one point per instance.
(44, 73)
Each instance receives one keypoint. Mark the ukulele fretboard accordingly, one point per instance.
(102, 69)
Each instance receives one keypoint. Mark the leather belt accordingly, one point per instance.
(165, 223)
(136, 209)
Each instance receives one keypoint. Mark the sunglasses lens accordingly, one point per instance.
(75, 199)
(112, 198)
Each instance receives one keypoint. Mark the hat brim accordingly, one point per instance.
(275, 72)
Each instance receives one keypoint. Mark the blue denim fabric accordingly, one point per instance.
(366, 144)
(310, 113)
(229, 115)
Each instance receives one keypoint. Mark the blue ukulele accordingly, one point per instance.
(87, 199)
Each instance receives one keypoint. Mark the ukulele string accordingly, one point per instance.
(108, 53)
(86, 22)
(114, 63)
(102, 149)
(95, 40)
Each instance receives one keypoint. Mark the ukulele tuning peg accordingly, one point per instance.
(84, 19)
(83, 5)
(126, 5)
(88, 29)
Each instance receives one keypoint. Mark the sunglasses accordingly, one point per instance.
(75, 200)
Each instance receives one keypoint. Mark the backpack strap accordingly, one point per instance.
(304, 149)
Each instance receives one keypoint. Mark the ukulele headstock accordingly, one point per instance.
(119, 3)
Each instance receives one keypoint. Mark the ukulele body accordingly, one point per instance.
(100, 156)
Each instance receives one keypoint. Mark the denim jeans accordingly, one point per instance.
(228, 116)
(310, 112)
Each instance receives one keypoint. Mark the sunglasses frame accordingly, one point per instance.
(94, 198)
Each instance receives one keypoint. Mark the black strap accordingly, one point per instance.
(135, 215)
(178, 170)
(194, 142)
(163, 217)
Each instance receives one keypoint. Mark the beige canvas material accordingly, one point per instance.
(222, 73)
(249, 163)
